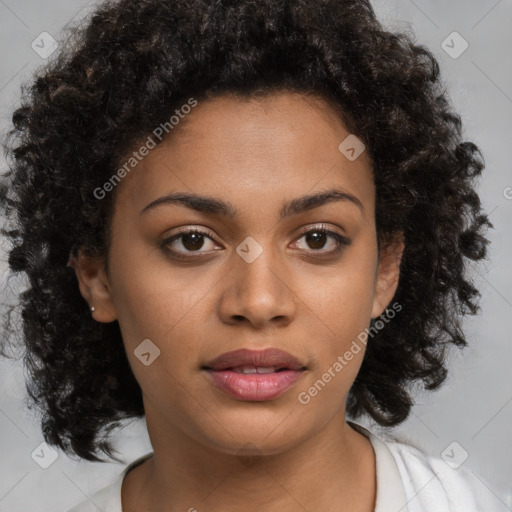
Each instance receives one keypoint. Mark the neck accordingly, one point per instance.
(331, 470)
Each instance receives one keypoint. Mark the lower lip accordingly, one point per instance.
(256, 387)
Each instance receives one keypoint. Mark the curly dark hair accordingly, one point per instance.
(122, 74)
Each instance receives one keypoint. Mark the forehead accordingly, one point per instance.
(252, 152)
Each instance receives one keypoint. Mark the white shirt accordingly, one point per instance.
(407, 481)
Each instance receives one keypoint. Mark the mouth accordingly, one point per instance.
(262, 370)
(254, 375)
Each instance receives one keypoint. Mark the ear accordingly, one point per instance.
(94, 285)
(388, 273)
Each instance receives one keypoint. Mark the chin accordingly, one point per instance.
(254, 434)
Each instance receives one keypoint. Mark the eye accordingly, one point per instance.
(321, 239)
(194, 242)
(189, 241)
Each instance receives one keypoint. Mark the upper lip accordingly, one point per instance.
(270, 357)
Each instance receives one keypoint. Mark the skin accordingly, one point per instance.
(213, 452)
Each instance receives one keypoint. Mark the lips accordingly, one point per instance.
(245, 358)
(254, 375)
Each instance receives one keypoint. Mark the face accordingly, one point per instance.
(283, 255)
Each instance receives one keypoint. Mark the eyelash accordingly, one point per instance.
(341, 241)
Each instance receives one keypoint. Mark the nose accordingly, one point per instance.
(257, 293)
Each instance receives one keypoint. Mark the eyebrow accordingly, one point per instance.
(213, 206)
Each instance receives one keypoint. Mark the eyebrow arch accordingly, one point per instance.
(217, 207)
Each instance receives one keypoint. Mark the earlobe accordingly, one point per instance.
(94, 285)
(388, 273)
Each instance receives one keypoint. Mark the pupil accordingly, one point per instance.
(316, 239)
(196, 240)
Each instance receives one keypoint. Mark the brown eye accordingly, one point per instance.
(192, 241)
(322, 241)
(186, 243)
(316, 239)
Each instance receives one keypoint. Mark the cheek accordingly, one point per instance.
(151, 299)
(338, 311)
(339, 302)
(169, 308)
(164, 309)
(339, 314)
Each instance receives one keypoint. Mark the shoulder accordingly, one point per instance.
(428, 483)
(446, 484)
(108, 499)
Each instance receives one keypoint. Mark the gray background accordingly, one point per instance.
(474, 407)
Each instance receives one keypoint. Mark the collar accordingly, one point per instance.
(390, 490)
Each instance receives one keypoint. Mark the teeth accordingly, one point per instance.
(248, 369)
(261, 369)
(254, 369)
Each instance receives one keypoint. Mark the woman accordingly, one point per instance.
(246, 221)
